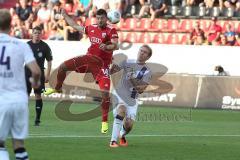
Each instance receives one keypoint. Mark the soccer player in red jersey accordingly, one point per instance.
(104, 40)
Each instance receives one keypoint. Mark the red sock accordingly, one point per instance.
(105, 109)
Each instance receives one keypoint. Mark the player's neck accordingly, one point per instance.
(102, 27)
(140, 62)
(35, 41)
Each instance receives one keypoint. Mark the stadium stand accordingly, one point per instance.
(8, 3)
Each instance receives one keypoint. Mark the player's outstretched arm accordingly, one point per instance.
(71, 22)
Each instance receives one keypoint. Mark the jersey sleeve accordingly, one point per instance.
(49, 56)
(27, 53)
(113, 33)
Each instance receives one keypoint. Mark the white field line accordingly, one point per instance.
(107, 136)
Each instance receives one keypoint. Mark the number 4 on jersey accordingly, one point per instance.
(2, 62)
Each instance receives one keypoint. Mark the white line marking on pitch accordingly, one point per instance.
(99, 136)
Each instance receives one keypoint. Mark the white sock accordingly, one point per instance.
(117, 124)
(21, 154)
(4, 154)
(123, 132)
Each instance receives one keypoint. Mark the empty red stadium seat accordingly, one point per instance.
(119, 25)
(163, 24)
(183, 38)
(129, 24)
(8, 4)
(238, 27)
(158, 25)
(154, 26)
(224, 24)
(131, 37)
(173, 39)
(172, 26)
(185, 25)
(143, 25)
(145, 38)
(159, 38)
(120, 36)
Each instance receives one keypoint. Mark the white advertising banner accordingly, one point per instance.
(177, 58)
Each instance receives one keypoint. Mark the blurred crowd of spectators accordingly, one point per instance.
(215, 35)
(27, 14)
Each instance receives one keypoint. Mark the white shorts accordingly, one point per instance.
(13, 121)
(131, 111)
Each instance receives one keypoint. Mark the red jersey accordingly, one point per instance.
(215, 30)
(100, 35)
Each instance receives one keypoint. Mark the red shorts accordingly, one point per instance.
(91, 64)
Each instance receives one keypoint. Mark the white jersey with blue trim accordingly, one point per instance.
(125, 88)
(13, 55)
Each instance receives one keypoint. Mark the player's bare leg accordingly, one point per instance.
(19, 149)
(117, 124)
(126, 128)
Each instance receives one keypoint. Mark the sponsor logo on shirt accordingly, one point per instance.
(95, 40)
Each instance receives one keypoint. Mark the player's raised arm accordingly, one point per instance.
(114, 69)
(71, 22)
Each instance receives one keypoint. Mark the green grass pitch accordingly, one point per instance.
(160, 133)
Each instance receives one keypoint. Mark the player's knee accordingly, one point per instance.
(63, 68)
(121, 111)
(105, 95)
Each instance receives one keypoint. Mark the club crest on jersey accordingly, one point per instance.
(40, 54)
(104, 35)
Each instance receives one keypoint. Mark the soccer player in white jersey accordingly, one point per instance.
(135, 79)
(13, 95)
